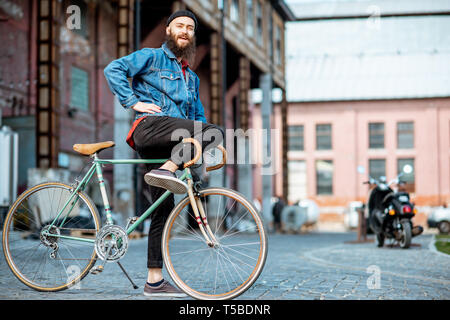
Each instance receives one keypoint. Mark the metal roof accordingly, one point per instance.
(358, 59)
(310, 9)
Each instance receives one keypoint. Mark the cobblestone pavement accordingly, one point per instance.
(306, 266)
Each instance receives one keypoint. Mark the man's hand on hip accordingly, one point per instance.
(146, 107)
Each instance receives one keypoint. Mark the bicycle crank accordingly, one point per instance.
(111, 243)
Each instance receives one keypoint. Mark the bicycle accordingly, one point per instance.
(54, 229)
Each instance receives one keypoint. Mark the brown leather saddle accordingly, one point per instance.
(91, 148)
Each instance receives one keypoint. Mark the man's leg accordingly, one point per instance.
(144, 137)
(207, 134)
(159, 218)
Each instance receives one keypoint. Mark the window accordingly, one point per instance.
(234, 11)
(377, 168)
(405, 135)
(324, 177)
(409, 178)
(249, 22)
(278, 44)
(79, 94)
(323, 136)
(270, 32)
(259, 26)
(295, 138)
(376, 135)
(226, 8)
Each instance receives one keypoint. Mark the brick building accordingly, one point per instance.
(53, 92)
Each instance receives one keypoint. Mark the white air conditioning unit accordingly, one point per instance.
(9, 165)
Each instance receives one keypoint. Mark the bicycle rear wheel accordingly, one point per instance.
(42, 261)
(224, 271)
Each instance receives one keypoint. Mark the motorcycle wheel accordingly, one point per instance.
(405, 241)
(380, 240)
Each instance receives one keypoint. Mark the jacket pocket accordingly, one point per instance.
(171, 86)
(169, 80)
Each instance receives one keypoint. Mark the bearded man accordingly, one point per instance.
(165, 96)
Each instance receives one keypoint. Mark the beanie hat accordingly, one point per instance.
(182, 13)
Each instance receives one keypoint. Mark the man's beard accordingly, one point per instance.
(187, 52)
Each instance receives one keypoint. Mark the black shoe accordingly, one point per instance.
(165, 179)
(163, 290)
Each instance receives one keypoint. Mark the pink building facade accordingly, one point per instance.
(350, 136)
(350, 148)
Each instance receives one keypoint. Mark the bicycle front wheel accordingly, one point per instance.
(227, 269)
(45, 253)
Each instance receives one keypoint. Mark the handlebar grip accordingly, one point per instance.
(198, 151)
(224, 159)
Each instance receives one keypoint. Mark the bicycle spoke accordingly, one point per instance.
(230, 228)
(190, 251)
(236, 232)
(242, 244)
(190, 230)
(223, 272)
(226, 214)
(242, 262)
(217, 215)
(232, 264)
(243, 254)
(30, 257)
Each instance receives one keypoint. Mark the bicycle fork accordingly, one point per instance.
(200, 216)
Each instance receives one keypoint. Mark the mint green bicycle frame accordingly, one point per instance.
(96, 167)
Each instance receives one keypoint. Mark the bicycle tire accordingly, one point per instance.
(185, 279)
(11, 234)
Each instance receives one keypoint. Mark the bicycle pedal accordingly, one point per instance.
(96, 270)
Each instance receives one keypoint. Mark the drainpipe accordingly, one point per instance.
(224, 79)
(138, 172)
(265, 83)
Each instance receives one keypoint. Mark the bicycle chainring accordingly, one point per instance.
(114, 239)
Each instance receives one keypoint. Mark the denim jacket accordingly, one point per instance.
(157, 78)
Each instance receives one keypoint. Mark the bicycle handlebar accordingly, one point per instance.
(198, 151)
(224, 160)
(198, 154)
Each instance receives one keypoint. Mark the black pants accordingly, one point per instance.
(154, 138)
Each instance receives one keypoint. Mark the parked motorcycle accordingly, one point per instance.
(390, 211)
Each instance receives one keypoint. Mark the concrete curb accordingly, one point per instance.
(432, 247)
